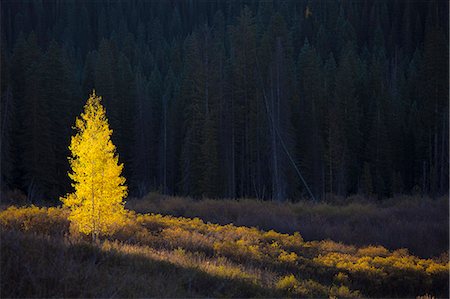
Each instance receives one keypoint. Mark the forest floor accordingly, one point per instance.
(168, 256)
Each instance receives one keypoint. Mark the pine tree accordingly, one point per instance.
(88, 80)
(366, 184)
(141, 162)
(244, 105)
(233, 95)
(155, 91)
(104, 77)
(311, 109)
(281, 82)
(36, 150)
(6, 140)
(434, 104)
(58, 95)
(210, 185)
(124, 90)
(97, 205)
(378, 139)
(8, 120)
(344, 140)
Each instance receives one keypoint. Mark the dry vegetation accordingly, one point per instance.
(419, 224)
(166, 256)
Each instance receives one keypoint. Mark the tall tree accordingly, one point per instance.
(434, 91)
(58, 93)
(245, 105)
(141, 162)
(207, 98)
(345, 144)
(192, 92)
(37, 155)
(311, 122)
(96, 206)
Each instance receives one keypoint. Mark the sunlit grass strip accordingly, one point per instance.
(261, 258)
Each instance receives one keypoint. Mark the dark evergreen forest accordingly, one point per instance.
(268, 99)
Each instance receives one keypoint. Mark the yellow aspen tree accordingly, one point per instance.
(96, 206)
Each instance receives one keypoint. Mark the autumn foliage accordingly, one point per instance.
(96, 206)
(183, 257)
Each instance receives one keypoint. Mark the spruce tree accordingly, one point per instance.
(310, 124)
(36, 151)
(58, 95)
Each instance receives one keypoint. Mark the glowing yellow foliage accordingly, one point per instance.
(97, 205)
(255, 256)
(373, 251)
(288, 282)
(287, 257)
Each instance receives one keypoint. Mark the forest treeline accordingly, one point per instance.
(231, 98)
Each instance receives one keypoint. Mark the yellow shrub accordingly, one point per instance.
(35, 219)
(373, 251)
(288, 283)
(250, 254)
(311, 288)
(240, 250)
(400, 252)
(435, 268)
(175, 237)
(285, 240)
(330, 246)
(343, 292)
(288, 257)
(271, 236)
(341, 278)
(229, 272)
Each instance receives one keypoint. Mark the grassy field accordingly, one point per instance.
(419, 224)
(167, 256)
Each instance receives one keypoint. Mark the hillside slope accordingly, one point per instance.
(165, 256)
(413, 222)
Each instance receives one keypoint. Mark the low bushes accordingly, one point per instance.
(49, 221)
(269, 261)
(419, 224)
(37, 266)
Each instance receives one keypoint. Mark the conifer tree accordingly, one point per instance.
(97, 205)
(141, 162)
(372, 119)
(310, 124)
(36, 150)
(58, 95)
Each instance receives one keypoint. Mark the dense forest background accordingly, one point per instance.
(231, 98)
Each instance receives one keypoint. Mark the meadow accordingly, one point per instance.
(168, 256)
(414, 222)
(276, 149)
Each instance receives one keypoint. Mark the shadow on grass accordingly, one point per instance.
(419, 224)
(39, 266)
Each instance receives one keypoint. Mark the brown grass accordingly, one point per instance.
(419, 224)
(165, 256)
(39, 266)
